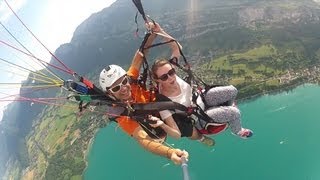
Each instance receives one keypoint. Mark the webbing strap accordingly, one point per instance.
(139, 6)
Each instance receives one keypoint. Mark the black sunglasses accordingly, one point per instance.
(116, 88)
(165, 77)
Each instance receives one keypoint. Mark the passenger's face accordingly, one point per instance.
(121, 89)
(166, 75)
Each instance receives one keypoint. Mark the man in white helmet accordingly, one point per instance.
(115, 82)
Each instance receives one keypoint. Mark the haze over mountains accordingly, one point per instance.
(207, 29)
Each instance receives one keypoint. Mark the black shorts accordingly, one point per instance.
(184, 124)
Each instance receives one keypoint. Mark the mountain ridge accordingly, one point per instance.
(245, 43)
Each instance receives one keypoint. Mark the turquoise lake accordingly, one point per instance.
(285, 146)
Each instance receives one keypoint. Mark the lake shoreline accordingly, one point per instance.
(274, 92)
(87, 151)
(243, 100)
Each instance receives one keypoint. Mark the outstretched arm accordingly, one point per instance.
(158, 148)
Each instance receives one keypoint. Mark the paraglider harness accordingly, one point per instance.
(88, 95)
(199, 89)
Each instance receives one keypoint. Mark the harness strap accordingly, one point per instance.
(152, 108)
(187, 111)
(139, 6)
(159, 44)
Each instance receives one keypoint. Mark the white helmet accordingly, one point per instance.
(109, 75)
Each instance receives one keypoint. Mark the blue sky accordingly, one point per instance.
(52, 21)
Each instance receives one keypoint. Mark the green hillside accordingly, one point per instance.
(259, 46)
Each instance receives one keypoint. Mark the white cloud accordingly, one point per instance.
(5, 12)
(2, 108)
(61, 24)
(5, 101)
(1, 113)
(59, 20)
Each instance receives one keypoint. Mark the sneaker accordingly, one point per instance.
(245, 133)
(207, 141)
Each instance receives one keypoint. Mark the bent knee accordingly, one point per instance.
(233, 90)
(235, 112)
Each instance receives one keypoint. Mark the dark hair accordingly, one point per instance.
(157, 64)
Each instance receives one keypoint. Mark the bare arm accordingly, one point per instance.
(170, 126)
(158, 148)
